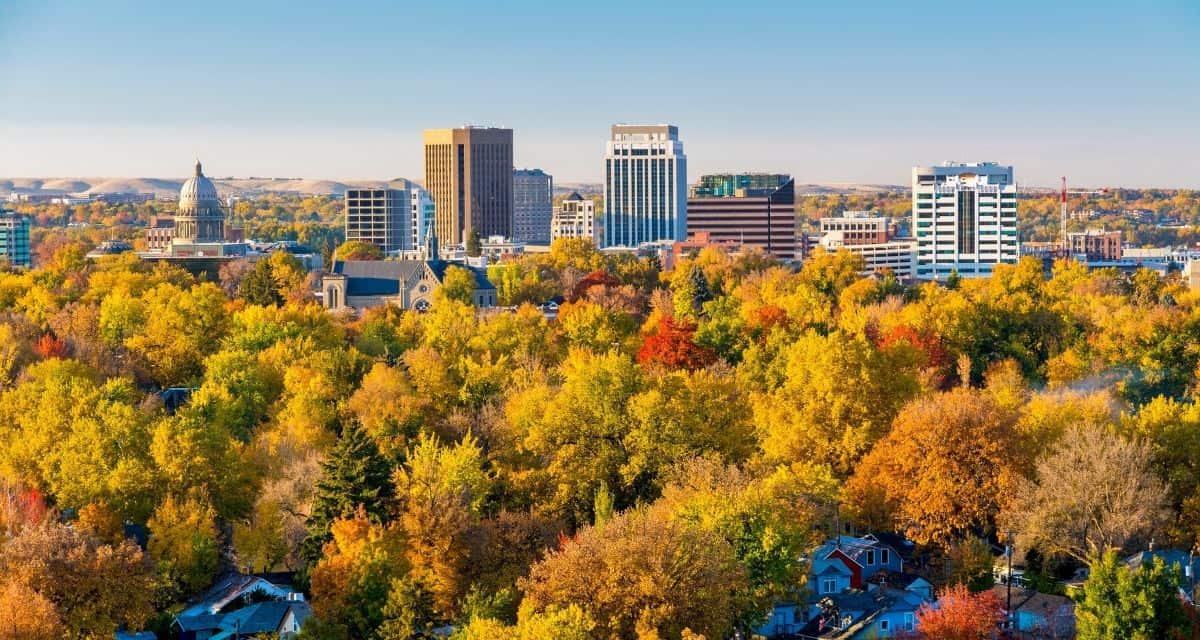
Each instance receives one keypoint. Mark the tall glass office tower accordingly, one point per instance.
(645, 185)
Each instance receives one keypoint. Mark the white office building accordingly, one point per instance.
(575, 218)
(964, 219)
(645, 185)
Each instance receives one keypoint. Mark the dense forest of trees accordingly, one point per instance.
(652, 463)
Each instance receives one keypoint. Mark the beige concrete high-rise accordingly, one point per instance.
(469, 172)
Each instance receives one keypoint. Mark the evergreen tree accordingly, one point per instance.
(691, 292)
(474, 247)
(355, 474)
(258, 287)
(1119, 602)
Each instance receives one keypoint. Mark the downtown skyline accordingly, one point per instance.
(1105, 95)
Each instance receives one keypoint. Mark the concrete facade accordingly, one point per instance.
(964, 219)
(575, 218)
(533, 206)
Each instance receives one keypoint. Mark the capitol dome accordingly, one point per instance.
(198, 190)
(199, 218)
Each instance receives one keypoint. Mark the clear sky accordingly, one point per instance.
(1107, 93)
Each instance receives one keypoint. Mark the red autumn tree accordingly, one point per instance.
(672, 346)
(49, 346)
(596, 278)
(961, 615)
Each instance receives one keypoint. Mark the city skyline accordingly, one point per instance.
(1105, 95)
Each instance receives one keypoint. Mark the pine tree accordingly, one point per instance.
(355, 474)
(259, 287)
(474, 247)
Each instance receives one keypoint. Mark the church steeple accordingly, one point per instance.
(198, 171)
(431, 243)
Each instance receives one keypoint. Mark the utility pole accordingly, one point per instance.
(1008, 551)
(1062, 223)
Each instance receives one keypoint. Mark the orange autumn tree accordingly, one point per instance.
(673, 345)
(961, 615)
(951, 462)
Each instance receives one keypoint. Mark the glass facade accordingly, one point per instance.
(727, 185)
(14, 240)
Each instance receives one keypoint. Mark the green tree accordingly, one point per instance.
(259, 286)
(474, 247)
(356, 476)
(1130, 604)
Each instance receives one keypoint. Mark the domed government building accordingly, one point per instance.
(195, 237)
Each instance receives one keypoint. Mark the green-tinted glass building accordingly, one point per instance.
(729, 185)
(14, 240)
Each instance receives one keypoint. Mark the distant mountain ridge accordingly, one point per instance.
(166, 187)
(161, 187)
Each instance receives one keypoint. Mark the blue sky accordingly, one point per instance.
(1107, 93)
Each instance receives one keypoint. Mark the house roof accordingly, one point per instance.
(227, 588)
(852, 547)
(863, 608)
(896, 580)
(1028, 600)
(198, 622)
(263, 617)
(1169, 557)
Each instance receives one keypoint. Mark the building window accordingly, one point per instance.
(870, 557)
(909, 622)
(966, 221)
(884, 556)
(828, 585)
(883, 624)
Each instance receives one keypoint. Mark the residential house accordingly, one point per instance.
(237, 603)
(858, 590)
(858, 615)
(1039, 615)
(862, 556)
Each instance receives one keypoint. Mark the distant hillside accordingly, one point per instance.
(311, 186)
(170, 187)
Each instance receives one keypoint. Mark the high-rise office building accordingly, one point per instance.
(533, 206)
(382, 217)
(14, 239)
(394, 219)
(752, 209)
(575, 218)
(964, 219)
(645, 185)
(469, 172)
